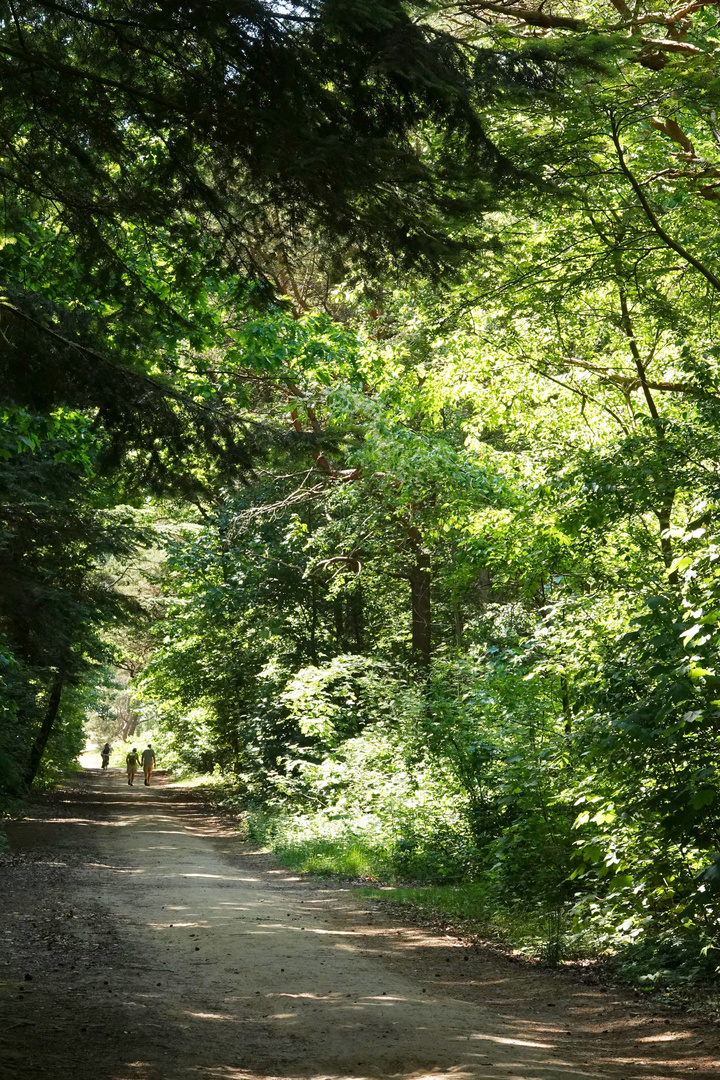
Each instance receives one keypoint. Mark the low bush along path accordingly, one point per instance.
(143, 940)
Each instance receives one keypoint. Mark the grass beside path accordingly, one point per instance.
(678, 972)
(467, 906)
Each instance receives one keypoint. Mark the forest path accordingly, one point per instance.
(142, 940)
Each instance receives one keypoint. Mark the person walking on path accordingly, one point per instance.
(132, 761)
(105, 755)
(148, 763)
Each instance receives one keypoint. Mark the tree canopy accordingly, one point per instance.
(361, 395)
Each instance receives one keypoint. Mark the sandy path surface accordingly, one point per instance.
(142, 940)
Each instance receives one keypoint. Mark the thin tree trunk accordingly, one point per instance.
(313, 622)
(664, 516)
(356, 612)
(41, 739)
(566, 708)
(664, 511)
(459, 626)
(420, 598)
(338, 616)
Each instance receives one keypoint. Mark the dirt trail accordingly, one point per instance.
(144, 941)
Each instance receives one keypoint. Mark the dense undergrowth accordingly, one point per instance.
(433, 885)
(434, 871)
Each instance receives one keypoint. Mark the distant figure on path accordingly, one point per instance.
(132, 761)
(148, 763)
(105, 755)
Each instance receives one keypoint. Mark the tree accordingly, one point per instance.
(55, 533)
(187, 140)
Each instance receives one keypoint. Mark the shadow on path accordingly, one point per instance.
(144, 941)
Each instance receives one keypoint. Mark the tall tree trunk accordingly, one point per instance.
(419, 576)
(41, 739)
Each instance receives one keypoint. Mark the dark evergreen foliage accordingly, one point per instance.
(131, 111)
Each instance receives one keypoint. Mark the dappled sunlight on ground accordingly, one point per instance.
(199, 958)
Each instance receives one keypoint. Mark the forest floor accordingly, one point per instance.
(142, 939)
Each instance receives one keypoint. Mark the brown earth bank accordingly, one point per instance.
(143, 940)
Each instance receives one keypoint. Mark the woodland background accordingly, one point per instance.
(359, 439)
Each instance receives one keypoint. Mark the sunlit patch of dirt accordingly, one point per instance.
(169, 949)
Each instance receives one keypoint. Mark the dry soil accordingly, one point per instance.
(143, 940)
